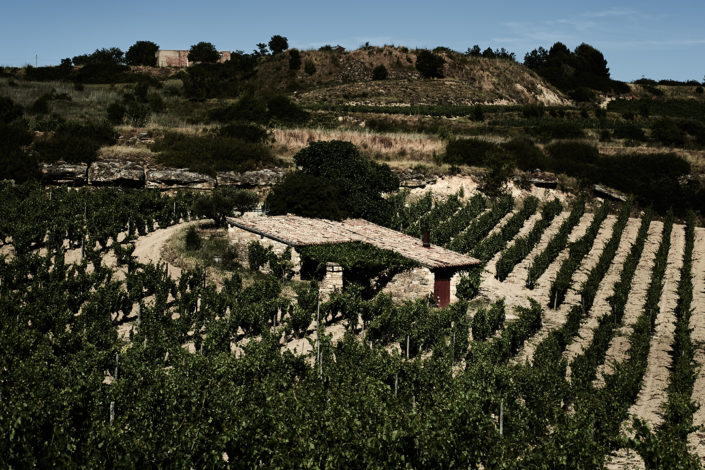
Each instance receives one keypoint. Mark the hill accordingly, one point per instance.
(346, 77)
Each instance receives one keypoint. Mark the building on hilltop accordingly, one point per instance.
(439, 268)
(179, 58)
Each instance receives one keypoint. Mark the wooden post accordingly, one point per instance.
(501, 418)
(407, 346)
(396, 383)
(112, 411)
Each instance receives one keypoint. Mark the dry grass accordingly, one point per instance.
(125, 153)
(385, 146)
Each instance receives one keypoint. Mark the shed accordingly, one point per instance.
(295, 231)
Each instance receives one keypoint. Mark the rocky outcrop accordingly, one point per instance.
(178, 178)
(608, 193)
(538, 178)
(251, 179)
(113, 173)
(414, 179)
(73, 174)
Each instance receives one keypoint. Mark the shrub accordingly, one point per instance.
(307, 196)
(40, 106)
(257, 255)
(9, 110)
(75, 142)
(211, 153)
(380, 73)
(526, 155)
(222, 202)
(258, 109)
(628, 130)
(468, 151)
(667, 132)
(193, 239)
(15, 163)
(549, 129)
(116, 112)
(430, 65)
(294, 59)
(309, 67)
(582, 94)
(699, 90)
(533, 110)
(244, 131)
(500, 169)
(476, 113)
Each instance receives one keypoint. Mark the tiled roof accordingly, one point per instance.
(297, 231)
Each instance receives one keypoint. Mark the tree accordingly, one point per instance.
(380, 73)
(430, 65)
(352, 184)
(142, 53)
(114, 55)
(222, 202)
(203, 52)
(278, 44)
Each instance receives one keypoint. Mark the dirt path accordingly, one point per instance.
(696, 440)
(652, 397)
(600, 306)
(148, 249)
(619, 346)
(554, 319)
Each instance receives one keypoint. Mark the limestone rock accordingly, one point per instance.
(73, 174)
(608, 193)
(254, 178)
(414, 179)
(113, 173)
(178, 178)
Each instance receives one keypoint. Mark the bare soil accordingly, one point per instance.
(696, 439)
(619, 346)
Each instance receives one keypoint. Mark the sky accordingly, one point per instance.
(659, 40)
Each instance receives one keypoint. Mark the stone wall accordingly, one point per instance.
(410, 285)
(332, 282)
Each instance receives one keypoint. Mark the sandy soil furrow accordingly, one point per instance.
(652, 397)
(554, 319)
(696, 440)
(492, 288)
(600, 306)
(619, 346)
(520, 272)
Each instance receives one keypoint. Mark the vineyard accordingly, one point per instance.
(578, 343)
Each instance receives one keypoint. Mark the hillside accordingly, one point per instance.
(342, 77)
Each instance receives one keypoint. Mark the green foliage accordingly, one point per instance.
(469, 285)
(555, 245)
(142, 53)
(380, 73)
(442, 233)
(193, 239)
(116, 112)
(257, 255)
(244, 131)
(278, 44)
(211, 153)
(75, 142)
(260, 110)
(203, 52)
(430, 65)
(576, 252)
(307, 196)
(667, 132)
(500, 169)
(357, 182)
(548, 129)
(467, 240)
(487, 321)
(222, 202)
(364, 265)
(15, 162)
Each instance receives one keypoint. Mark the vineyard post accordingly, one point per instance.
(112, 411)
(501, 417)
(396, 383)
(318, 338)
(407, 346)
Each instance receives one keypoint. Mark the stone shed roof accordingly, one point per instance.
(298, 231)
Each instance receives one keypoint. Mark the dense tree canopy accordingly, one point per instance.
(429, 64)
(343, 184)
(142, 53)
(278, 44)
(203, 52)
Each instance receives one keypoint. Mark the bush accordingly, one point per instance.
(193, 239)
(307, 196)
(223, 202)
(309, 67)
(262, 110)
(211, 153)
(15, 163)
(667, 132)
(469, 151)
(526, 155)
(257, 255)
(476, 113)
(582, 94)
(549, 129)
(628, 130)
(533, 110)
(116, 112)
(74, 142)
(699, 90)
(244, 131)
(430, 65)
(294, 59)
(9, 110)
(380, 73)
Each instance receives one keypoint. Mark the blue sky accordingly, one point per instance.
(638, 38)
